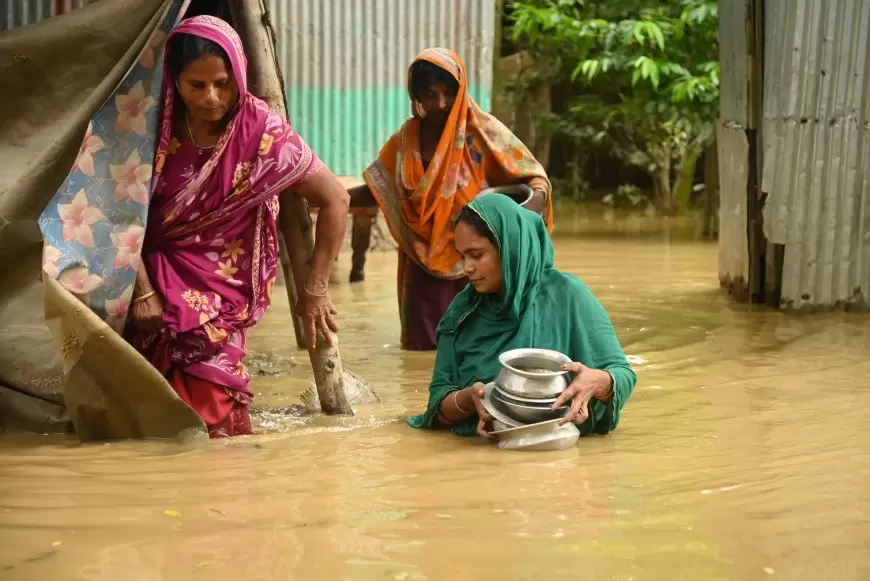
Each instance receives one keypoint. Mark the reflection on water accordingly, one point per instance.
(742, 455)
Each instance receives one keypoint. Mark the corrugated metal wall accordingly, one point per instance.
(816, 139)
(345, 66)
(345, 62)
(15, 13)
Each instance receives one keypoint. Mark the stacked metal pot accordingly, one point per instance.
(521, 400)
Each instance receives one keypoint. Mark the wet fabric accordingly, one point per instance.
(96, 72)
(211, 243)
(475, 151)
(541, 307)
(72, 67)
(423, 300)
(224, 416)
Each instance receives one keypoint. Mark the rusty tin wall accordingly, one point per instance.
(816, 139)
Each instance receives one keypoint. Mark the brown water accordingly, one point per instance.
(743, 455)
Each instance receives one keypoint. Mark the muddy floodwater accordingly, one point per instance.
(744, 454)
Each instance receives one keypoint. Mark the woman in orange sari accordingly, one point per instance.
(437, 162)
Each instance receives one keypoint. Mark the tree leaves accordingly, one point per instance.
(644, 42)
(646, 71)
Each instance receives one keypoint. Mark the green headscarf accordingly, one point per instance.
(540, 307)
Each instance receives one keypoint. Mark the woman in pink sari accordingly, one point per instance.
(210, 254)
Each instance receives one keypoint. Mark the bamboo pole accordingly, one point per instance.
(264, 77)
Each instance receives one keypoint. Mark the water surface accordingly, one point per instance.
(742, 455)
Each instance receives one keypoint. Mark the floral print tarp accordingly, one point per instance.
(94, 226)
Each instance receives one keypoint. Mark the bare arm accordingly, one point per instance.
(143, 285)
(538, 201)
(147, 304)
(325, 192)
(457, 406)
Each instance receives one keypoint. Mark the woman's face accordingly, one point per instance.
(480, 259)
(208, 89)
(437, 101)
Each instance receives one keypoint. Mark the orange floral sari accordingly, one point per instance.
(476, 151)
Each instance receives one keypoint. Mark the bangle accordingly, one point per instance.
(314, 294)
(456, 403)
(144, 297)
(609, 393)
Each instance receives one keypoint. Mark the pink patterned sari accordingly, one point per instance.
(211, 248)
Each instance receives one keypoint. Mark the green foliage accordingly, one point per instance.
(642, 78)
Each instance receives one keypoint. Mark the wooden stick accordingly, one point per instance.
(265, 81)
(292, 293)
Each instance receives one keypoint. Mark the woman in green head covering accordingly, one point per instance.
(516, 299)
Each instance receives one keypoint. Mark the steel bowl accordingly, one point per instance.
(527, 413)
(497, 414)
(533, 373)
(533, 401)
(498, 426)
(547, 435)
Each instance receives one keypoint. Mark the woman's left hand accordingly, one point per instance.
(148, 314)
(484, 419)
(538, 201)
(319, 314)
(588, 383)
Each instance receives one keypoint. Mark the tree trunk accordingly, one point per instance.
(711, 191)
(521, 111)
(686, 179)
(666, 200)
(264, 77)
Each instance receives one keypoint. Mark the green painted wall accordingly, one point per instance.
(347, 127)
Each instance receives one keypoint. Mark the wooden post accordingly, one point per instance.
(264, 78)
(292, 294)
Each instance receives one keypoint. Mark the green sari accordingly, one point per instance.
(541, 307)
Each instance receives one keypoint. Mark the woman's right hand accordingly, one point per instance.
(484, 422)
(148, 314)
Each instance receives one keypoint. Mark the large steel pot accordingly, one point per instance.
(533, 373)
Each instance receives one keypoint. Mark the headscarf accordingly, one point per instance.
(539, 307)
(419, 204)
(257, 156)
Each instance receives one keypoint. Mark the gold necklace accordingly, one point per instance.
(190, 132)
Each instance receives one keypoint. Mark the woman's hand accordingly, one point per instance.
(484, 422)
(318, 314)
(588, 383)
(148, 314)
